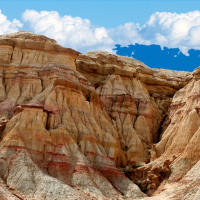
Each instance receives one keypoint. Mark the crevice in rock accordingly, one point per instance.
(47, 125)
(21, 59)
(11, 57)
(2, 127)
(163, 126)
(88, 98)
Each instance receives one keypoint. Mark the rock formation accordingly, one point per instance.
(94, 126)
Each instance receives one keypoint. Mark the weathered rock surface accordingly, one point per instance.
(56, 137)
(179, 144)
(135, 96)
(72, 125)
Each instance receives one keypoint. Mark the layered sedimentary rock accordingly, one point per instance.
(179, 147)
(57, 140)
(135, 96)
(73, 126)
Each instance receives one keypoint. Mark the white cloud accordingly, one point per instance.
(167, 29)
(163, 28)
(100, 33)
(127, 34)
(7, 26)
(173, 30)
(69, 31)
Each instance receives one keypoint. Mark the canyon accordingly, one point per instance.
(94, 126)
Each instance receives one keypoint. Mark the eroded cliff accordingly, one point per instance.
(75, 126)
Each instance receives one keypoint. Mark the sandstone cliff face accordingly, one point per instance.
(72, 125)
(136, 97)
(57, 140)
(179, 145)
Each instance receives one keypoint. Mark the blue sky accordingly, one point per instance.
(107, 13)
(100, 25)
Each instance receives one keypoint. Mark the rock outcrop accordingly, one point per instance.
(179, 145)
(56, 137)
(136, 97)
(74, 126)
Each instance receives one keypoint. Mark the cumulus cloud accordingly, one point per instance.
(167, 29)
(69, 31)
(173, 30)
(7, 26)
(127, 34)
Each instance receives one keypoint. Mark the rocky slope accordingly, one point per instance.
(94, 126)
